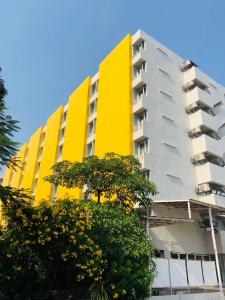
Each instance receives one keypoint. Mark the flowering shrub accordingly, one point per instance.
(130, 268)
(47, 248)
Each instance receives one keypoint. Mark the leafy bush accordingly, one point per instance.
(47, 248)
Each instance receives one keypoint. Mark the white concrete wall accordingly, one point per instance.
(200, 296)
(170, 147)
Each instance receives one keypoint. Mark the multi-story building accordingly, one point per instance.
(147, 101)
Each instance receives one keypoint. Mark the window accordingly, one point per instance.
(55, 191)
(35, 184)
(138, 93)
(137, 69)
(38, 167)
(139, 120)
(43, 137)
(62, 133)
(40, 152)
(159, 253)
(146, 175)
(64, 116)
(91, 128)
(90, 148)
(93, 107)
(26, 154)
(94, 88)
(174, 255)
(140, 44)
(60, 152)
(141, 148)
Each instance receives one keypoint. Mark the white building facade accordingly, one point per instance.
(179, 130)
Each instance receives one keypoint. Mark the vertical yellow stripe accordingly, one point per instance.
(114, 127)
(17, 173)
(49, 156)
(76, 132)
(31, 161)
(7, 177)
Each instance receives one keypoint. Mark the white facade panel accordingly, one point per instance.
(163, 277)
(178, 273)
(194, 273)
(209, 271)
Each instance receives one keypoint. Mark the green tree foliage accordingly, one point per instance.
(119, 182)
(130, 267)
(112, 177)
(8, 126)
(48, 248)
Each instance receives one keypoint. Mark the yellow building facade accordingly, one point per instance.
(97, 119)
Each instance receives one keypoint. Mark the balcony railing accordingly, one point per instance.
(209, 172)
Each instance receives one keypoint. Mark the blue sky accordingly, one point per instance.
(47, 47)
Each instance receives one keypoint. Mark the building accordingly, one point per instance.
(147, 101)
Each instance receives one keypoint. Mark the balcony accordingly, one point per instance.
(92, 117)
(210, 173)
(140, 104)
(205, 143)
(195, 75)
(140, 133)
(91, 138)
(201, 118)
(144, 159)
(213, 199)
(139, 57)
(139, 80)
(198, 95)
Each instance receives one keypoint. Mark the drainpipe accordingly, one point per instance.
(216, 253)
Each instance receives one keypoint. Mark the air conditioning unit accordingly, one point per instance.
(196, 129)
(189, 86)
(191, 107)
(187, 64)
(203, 188)
(199, 157)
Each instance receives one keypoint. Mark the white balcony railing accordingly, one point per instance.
(200, 118)
(139, 57)
(204, 143)
(140, 104)
(144, 159)
(140, 79)
(197, 95)
(209, 172)
(140, 132)
(195, 74)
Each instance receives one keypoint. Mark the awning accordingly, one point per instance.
(155, 221)
(192, 205)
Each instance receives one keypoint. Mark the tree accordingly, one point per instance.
(114, 177)
(130, 267)
(8, 126)
(118, 184)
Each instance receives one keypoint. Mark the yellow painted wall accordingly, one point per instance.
(31, 161)
(17, 173)
(76, 132)
(7, 177)
(49, 156)
(114, 110)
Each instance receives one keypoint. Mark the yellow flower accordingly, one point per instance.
(115, 296)
(113, 286)
(124, 292)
